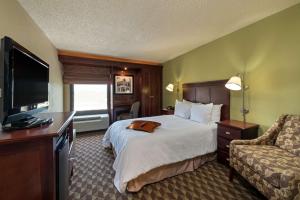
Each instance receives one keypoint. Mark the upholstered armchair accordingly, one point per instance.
(271, 163)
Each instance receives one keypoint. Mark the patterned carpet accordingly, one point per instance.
(93, 179)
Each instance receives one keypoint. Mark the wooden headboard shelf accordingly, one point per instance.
(209, 92)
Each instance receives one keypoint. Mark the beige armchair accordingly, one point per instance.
(271, 163)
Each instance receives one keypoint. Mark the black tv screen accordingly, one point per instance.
(24, 81)
(30, 80)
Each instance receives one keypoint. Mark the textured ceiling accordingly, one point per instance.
(154, 30)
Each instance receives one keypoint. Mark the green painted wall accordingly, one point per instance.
(269, 54)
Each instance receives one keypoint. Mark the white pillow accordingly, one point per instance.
(178, 101)
(182, 110)
(216, 113)
(201, 113)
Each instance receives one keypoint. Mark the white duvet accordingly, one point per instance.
(137, 152)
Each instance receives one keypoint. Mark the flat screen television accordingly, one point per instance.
(24, 82)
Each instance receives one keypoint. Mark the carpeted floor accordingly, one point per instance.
(93, 179)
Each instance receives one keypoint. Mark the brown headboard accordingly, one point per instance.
(209, 92)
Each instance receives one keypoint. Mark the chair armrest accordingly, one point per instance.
(256, 141)
(268, 138)
(264, 139)
(243, 142)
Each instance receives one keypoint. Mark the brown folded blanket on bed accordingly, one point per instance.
(143, 125)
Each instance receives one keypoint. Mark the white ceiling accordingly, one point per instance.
(154, 30)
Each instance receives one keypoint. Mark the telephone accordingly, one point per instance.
(170, 108)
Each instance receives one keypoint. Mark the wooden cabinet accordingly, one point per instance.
(151, 91)
(28, 164)
(229, 130)
(148, 90)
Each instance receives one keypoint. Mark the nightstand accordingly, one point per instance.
(165, 111)
(229, 130)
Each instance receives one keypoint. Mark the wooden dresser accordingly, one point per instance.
(28, 159)
(229, 130)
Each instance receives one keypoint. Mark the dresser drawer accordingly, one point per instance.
(223, 143)
(229, 130)
(229, 133)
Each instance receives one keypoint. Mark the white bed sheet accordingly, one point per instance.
(137, 152)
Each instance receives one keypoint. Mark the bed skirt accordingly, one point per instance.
(166, 171)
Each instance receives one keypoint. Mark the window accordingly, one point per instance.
(89, 97)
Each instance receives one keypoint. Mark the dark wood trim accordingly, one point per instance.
(206, 83)
(237, 124)
(53, 130)
(68, 60)
(104, 58)
(231, 174)
(72, 97)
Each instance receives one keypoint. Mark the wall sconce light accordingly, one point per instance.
(170, 87)
(237, 83)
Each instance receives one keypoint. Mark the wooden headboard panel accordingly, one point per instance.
(209, 92)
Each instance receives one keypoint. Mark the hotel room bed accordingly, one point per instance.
(178, 145)
(137, 152)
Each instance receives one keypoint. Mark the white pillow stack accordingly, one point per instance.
(202, 113)
(182, 109)
(216, 113)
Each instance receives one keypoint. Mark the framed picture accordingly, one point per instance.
(123, 84)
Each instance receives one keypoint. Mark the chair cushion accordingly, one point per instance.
(277, 166)
(289, 137)
(124, 116)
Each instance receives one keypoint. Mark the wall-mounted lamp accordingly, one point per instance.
(234, 83)
(170, 87)
(237, 83)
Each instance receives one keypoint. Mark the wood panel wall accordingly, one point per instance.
(127, 99)
(86, 68)
(85, 74)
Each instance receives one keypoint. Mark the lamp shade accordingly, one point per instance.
(234, 83)
(170, 87)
